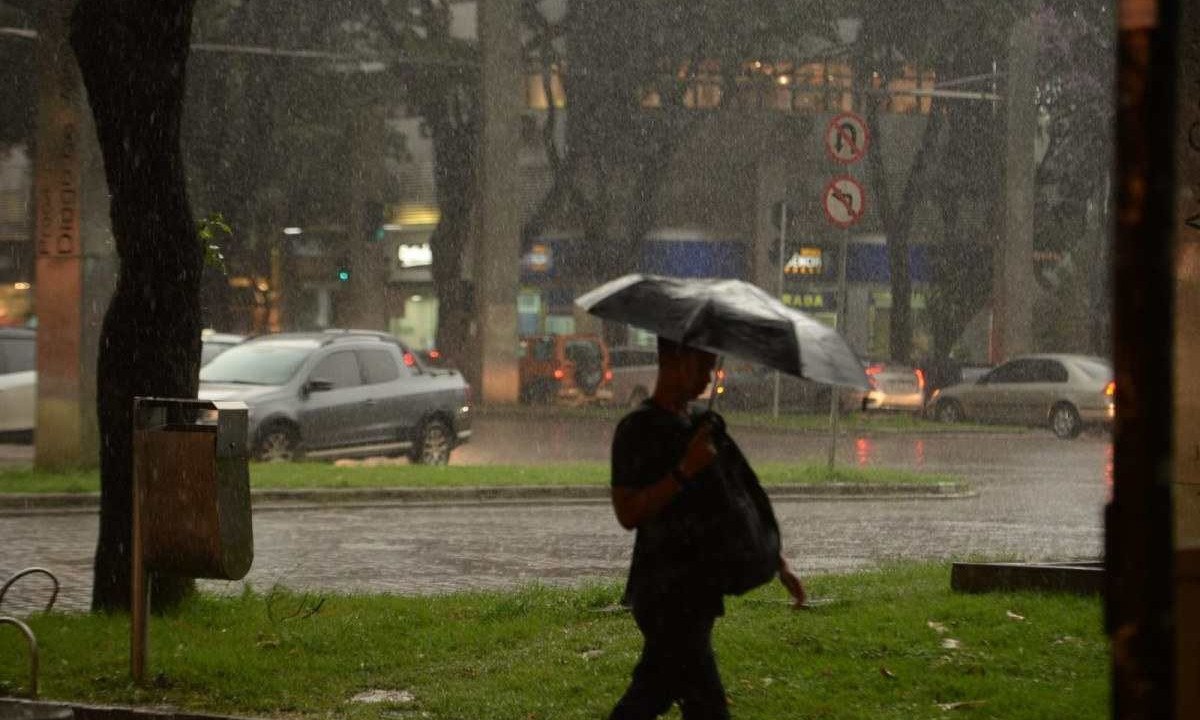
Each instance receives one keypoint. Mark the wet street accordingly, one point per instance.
(1036, 498)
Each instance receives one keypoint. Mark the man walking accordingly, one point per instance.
(659, 453)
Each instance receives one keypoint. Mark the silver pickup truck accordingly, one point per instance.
(341, 393)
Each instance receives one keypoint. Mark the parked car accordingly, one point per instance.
(18, 376)
(634, 372)
(748, 386)
(564, 367)
(18, 382)
(341, 393)
(1063, 392)
(894, 386)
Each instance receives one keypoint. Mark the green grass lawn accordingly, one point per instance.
(853, 422)
(321, 475)
(888, 644)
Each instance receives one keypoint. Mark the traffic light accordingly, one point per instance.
(342, 271)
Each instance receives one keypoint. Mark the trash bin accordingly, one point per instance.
(192, 487)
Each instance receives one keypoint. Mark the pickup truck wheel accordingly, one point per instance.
(434, 444)
(278, 443)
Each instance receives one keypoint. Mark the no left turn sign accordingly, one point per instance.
(844, 201)
(846, 138)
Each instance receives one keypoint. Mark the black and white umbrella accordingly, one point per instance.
(729, 317)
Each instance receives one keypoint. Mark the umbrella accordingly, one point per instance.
(729, 317)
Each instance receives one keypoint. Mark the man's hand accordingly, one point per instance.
(792, 582)
(700, 452)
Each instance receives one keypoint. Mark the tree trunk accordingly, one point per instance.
(132, 56)
(455, 137)
(897, 222)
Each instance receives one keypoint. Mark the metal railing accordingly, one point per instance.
(32, 571)
(30, 638)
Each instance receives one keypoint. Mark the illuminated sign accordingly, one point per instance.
(539, 258)
(415, 255)
(806, 261)
(810, 301)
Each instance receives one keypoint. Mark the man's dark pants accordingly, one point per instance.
(677, 663)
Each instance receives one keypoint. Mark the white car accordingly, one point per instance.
(18, 378)
(18, 397)
(18, 381)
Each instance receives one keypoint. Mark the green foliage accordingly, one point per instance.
(1076, 81)
(210, 230)
(17, 81)
(879, 648)
(319, 475)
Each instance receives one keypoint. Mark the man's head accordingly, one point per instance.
(683, 372)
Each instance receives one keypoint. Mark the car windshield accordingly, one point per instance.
(265, 363)
(1095, 369)
(210, 350)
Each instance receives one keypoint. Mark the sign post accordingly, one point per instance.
(780, 215)
(844, 201)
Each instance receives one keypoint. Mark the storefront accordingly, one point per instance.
(811, 284)
(554, 271)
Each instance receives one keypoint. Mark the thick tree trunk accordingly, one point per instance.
(132, 55)
(897, 222)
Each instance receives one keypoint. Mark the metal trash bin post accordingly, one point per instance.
(191, 499)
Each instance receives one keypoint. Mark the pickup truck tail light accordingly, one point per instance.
(607, 375)
(1110, 389)
(559, 373)
(920, 379)
(409, 359)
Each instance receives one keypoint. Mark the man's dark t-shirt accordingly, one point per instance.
(668, 565)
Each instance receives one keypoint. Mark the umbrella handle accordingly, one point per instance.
(712, 396)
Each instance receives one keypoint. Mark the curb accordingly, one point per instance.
(56, 710)
(269, 499)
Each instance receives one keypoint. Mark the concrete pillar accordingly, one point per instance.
(1014, 286)
(361, 300)
(498, 241)
(75, 256)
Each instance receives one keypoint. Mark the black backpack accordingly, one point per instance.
(743, 542)
(721, 532)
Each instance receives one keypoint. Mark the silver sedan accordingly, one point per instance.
(1063, 392)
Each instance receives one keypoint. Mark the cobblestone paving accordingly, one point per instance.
(1038, 498)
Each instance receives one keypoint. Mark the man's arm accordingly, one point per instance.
(633, 506)
(791, 581)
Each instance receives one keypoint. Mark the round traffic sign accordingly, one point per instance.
(844, 201)
(847, 138)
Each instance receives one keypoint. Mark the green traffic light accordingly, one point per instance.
(343, 275)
